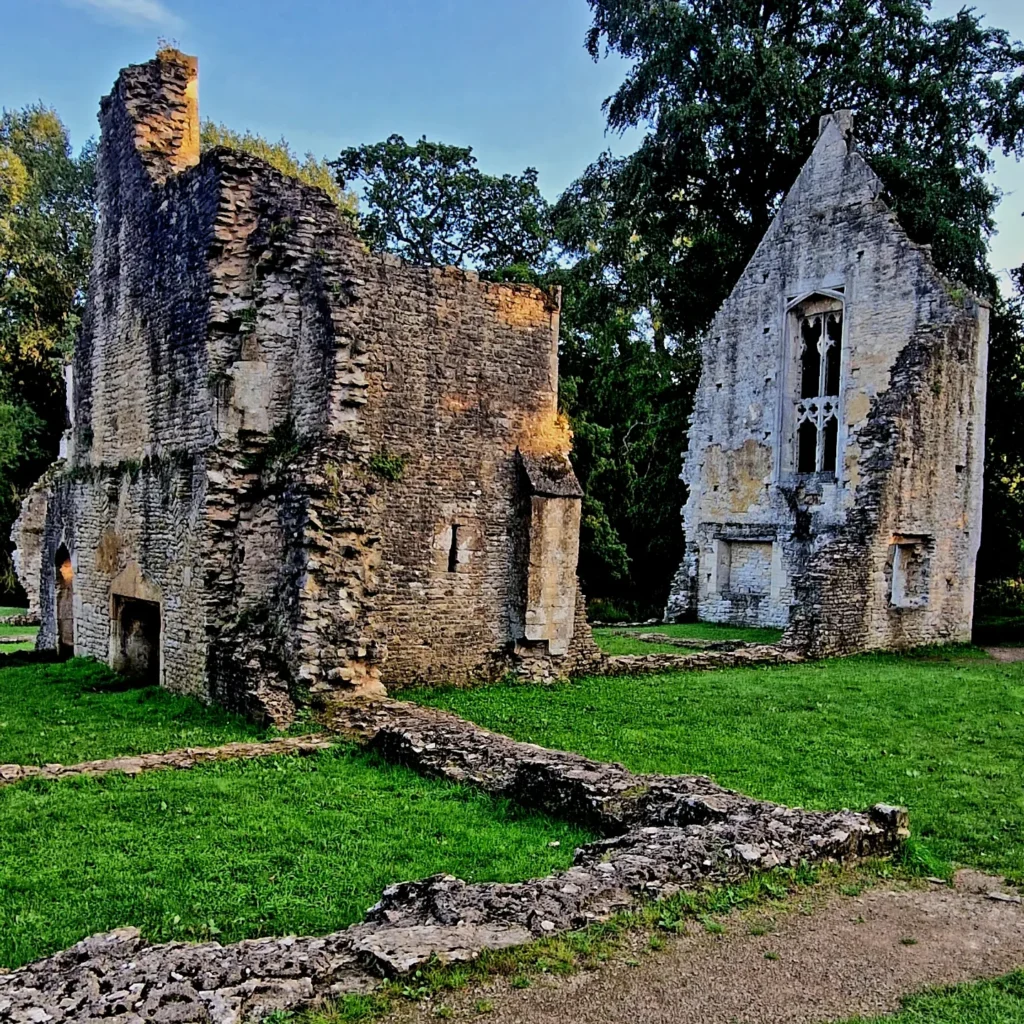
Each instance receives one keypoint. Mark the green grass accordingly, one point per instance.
(943, 735)
(78, 710)
(273, 846)
(617, 640)
(10, 610)
(986, 1002)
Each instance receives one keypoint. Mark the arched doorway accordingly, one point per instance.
(64, 591)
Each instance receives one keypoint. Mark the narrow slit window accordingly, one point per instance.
(453, 551)
(807, 447)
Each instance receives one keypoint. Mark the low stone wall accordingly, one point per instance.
(751, 654)
(19, 620)
(179, 759)
(663, 833)
(692, 643)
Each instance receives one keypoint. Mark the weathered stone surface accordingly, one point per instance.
(309, 469)
(839, 323)
(174, 759)
(664, 834)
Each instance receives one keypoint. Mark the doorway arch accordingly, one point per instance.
(64, 575)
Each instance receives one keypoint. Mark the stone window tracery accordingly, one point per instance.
(819, 335)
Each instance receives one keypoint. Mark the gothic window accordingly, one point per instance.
(819, 335)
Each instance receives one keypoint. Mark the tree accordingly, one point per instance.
(729, 93)
(429, 203)
(47, 217)
(280, 156)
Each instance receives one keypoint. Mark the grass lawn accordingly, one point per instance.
(616, 640)
(79, 710)
(986, 1002)
(246, 848)
(941, 733)
(28, 632)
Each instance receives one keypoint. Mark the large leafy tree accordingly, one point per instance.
(430, 203)
(728, 94)
(47, 216)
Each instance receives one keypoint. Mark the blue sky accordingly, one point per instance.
(509, 77)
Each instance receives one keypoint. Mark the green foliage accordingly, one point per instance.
(273, 846)
(983, 1002)
(941, 733)
(277, 453)
(628, 402)
(388, 465)
(47, 219)
(430, 203)
(1002, 536)
(78, 710)
(279, 155)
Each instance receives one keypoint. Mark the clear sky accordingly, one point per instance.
(508, 77)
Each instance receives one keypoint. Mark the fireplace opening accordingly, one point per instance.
(136, 634)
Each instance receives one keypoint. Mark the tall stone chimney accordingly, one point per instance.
(154, 107)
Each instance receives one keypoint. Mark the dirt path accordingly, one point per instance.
(183, 759)
(1007, 654)
(847, 957)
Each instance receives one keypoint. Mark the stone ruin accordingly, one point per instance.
(293, 467)
(836, 446)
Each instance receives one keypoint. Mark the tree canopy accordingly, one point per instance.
(728, 95)
(47, 217)
(430, 203)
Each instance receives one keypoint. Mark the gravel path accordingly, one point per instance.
(847, 957)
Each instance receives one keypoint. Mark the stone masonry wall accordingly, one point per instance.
(275, 433)
(910, 436)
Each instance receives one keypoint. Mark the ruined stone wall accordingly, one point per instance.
(131, 493)
(276, 432)
(910, 428)
(461, 374)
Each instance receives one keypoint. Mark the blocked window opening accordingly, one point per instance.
(453, 551)
(818, 329)
(909, 573)
(136, 632)
(64, 594)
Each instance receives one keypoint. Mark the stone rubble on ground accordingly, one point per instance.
(661, 834)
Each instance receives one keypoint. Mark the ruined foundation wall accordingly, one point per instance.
(764, 542)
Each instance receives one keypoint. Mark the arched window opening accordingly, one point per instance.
(810, 357)
(817, 331)
(807, 447)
